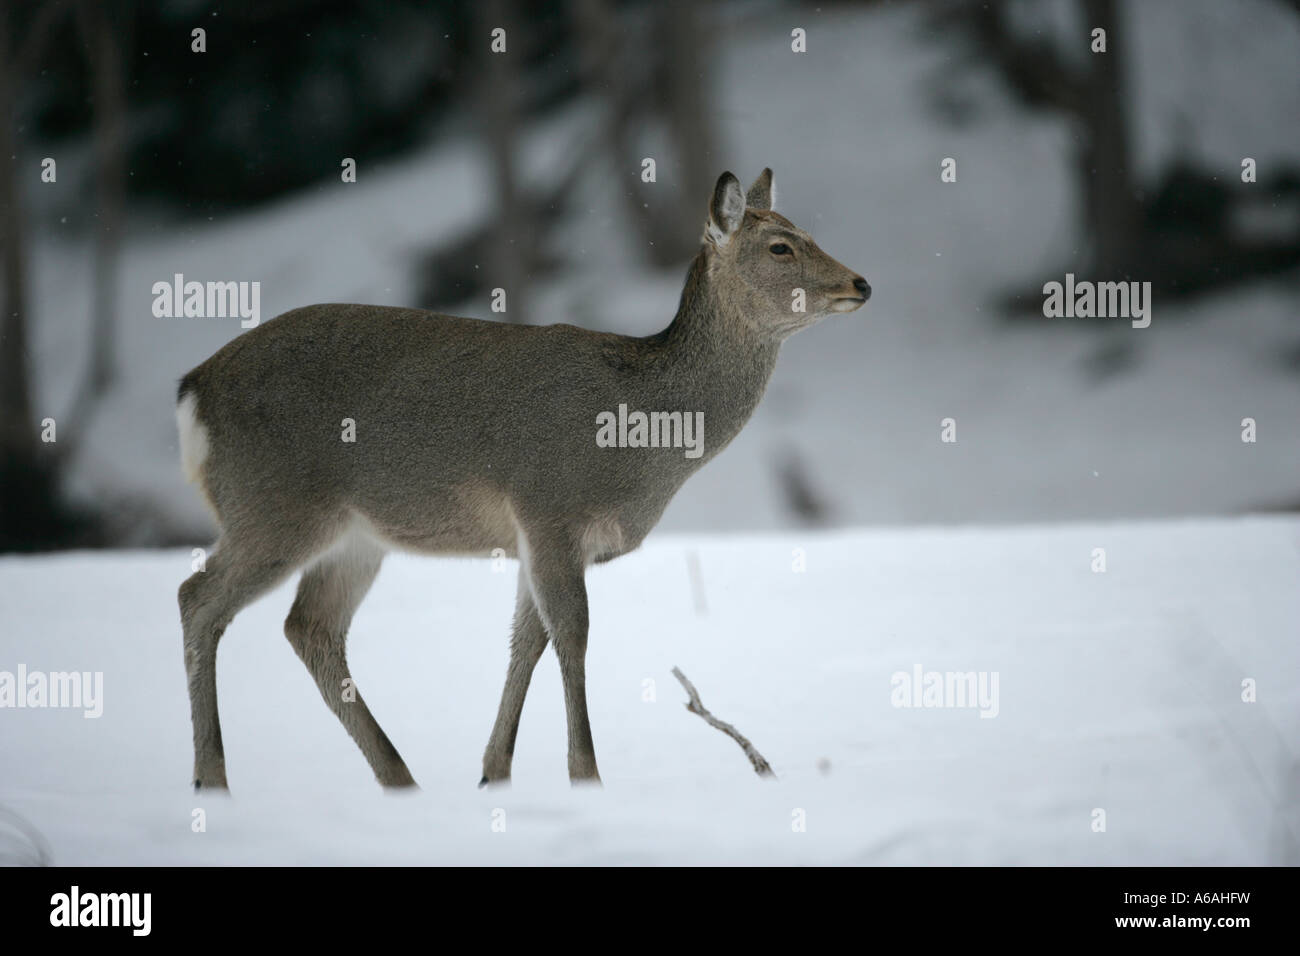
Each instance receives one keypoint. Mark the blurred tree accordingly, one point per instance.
(105, 32)
(285, 89)
(1182, 231)
(632, 87)
(661, 84)
(32, 511)
(511, 236)
(682, 86)
(1044, 76)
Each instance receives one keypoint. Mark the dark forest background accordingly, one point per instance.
(153, 132)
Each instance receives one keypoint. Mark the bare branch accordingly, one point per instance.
(761, 766)
(1033, 68)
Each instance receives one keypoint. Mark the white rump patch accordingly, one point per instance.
(193, 435)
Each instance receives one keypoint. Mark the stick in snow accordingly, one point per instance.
(761, 766)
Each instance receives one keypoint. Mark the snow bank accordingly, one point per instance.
(1119, 691)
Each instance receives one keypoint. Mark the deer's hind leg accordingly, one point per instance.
(234, 576)
(317, 627)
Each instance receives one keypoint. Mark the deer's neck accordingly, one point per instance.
(709, 360)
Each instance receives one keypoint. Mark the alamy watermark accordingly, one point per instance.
(63, 689)
(1099, 300)
(208, 300)
(651, 430)
(946, 689)
(75, 908)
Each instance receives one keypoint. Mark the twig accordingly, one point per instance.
(695, 706)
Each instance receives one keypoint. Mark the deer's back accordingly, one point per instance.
(474, 419)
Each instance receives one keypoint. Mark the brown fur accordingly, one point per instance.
(471, 436)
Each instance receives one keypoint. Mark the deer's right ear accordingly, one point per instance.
(762, 195)
(725, 211)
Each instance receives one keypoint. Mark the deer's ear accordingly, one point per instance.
(725, 211)
(762, 195)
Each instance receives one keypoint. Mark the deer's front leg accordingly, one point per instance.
(527, 641)
(555, 574)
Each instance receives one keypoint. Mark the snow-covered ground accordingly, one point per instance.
(850, 130)
(1118, 691)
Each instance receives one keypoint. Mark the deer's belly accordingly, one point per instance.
(468, 519)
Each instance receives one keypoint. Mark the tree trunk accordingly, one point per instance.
(606, 73)
(511, 244)
(685, 88)
(1104, 164)
(17, 436)
(669, 213)
(105, 54)
(28, 479)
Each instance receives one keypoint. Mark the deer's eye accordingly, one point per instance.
(780, 249)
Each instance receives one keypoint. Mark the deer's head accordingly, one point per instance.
(766, 268)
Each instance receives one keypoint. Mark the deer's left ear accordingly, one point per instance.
(762, 195)
(726, 210)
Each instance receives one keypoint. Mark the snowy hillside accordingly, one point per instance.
(858, 400)
(1118, 691)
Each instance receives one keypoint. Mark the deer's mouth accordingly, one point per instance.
(847, 303)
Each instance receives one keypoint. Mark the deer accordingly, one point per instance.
(471, 437)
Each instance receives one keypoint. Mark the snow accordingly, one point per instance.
(1119, 690)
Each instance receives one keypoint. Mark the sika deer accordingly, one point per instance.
(471, 436)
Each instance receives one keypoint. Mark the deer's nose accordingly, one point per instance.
(861, 285)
